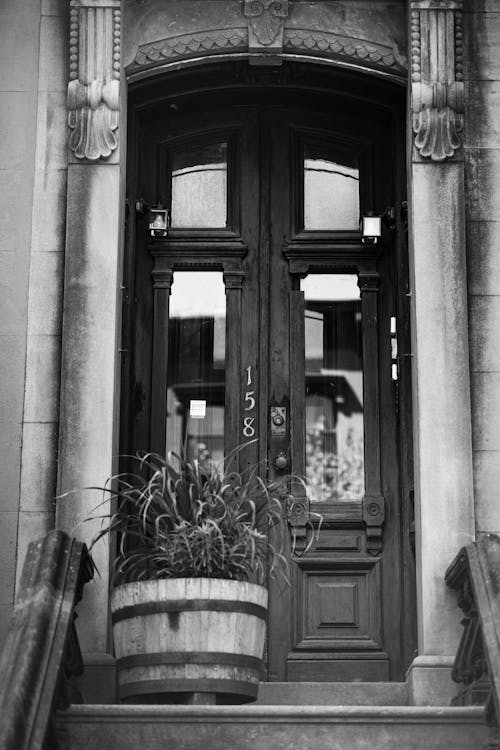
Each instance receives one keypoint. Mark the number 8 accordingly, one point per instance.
(248, 429)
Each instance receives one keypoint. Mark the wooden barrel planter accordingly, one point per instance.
(182, 636)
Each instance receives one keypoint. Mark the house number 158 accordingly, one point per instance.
(249, 406)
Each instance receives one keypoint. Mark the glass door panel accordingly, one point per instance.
(196, 366)
(334, 388)
(331, 188)
(199, 186)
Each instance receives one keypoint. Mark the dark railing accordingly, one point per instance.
(41, 652)
(475, 575)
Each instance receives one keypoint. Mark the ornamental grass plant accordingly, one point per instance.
(179, 518)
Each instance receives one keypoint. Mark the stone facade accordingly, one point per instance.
(63, 162)
(482, 179)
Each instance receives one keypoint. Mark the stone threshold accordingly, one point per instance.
(121, 713)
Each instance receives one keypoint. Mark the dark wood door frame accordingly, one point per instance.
(142, 388)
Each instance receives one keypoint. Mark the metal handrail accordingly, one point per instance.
(41, 651)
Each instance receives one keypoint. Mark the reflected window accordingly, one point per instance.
(334, 388)
(199, 186)
(196, 366)
(331, 189)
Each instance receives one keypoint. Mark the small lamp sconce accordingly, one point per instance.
(371, 228)
(158, 221)
(371, 225)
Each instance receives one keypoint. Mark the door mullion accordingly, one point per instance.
(233, 281)
(373, 501)
(162, 285)
(264, 282)
(298, 402)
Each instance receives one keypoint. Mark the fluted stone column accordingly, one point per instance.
(89, 375)
(441, 388)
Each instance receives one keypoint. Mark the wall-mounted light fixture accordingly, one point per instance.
(371, 228)
(371, 225)
(158, 221)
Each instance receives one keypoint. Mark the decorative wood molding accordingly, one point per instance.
(217, 255)
(374, 518)
(94, 72)
(237, 40)
(162, 279)
(437, 77)
(266, 20)
(373, 500)
(233, 280)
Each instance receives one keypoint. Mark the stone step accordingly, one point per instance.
(333, 693)
(271, 728)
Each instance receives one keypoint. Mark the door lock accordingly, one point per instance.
(278, 421)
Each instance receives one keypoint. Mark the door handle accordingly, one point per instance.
(281, 461)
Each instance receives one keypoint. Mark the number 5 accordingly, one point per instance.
(249, 401)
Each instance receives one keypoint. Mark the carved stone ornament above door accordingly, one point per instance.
(94, 73)
(270, 31)
(306, 42)
(437, 77)
(266, 20)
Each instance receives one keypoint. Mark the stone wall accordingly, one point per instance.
(41, 405)
(482, 140)
(19, 41)
(33, 167)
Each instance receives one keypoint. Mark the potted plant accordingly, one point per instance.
(189, 601)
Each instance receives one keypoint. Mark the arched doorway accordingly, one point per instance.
(262, 317)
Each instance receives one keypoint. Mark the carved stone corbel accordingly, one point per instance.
(266, 21)
(437, 77)
(94, 72)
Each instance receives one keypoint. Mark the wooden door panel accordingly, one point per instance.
(348, 585)
(338, 606)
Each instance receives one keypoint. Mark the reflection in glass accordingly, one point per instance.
(199, 186)
(334, 388)
(196, 355)
(331, 189)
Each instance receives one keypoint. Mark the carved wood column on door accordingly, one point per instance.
(373, 500)
(233, 281)
(162, 285)
(437, 77)
(94, 72)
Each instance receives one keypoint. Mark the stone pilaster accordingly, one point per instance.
(441, 387)
(88, 444)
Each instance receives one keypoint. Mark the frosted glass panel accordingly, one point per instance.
(199, 186)
(331, 190)
(334, 388)
(196, 374)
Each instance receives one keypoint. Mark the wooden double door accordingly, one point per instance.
(262, 318)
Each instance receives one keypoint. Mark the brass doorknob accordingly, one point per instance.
(281, 461)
